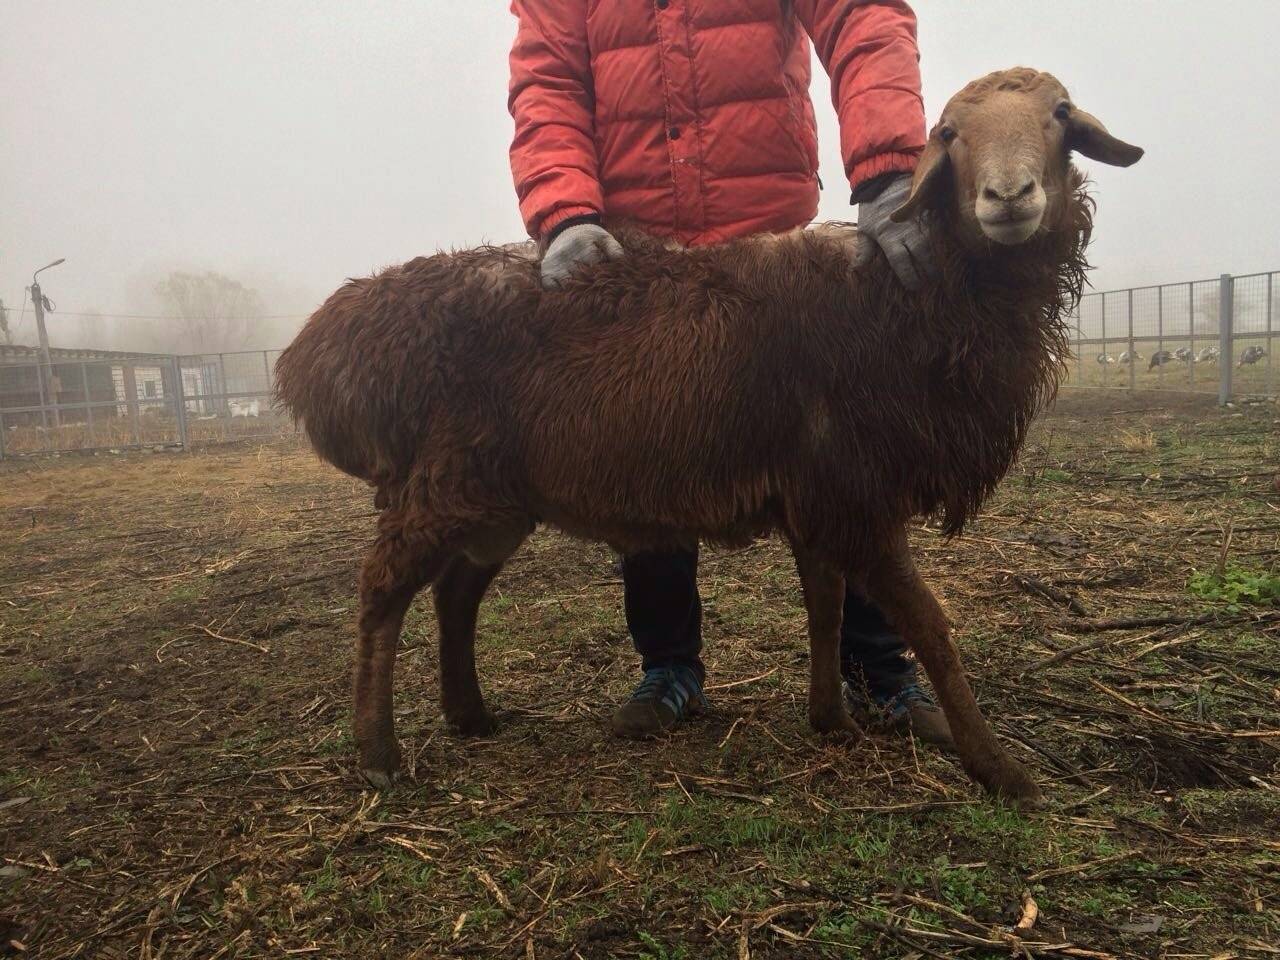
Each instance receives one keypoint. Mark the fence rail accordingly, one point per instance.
(1210, 336)
(85, 402)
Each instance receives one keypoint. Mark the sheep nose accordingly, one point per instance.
(1010, 191)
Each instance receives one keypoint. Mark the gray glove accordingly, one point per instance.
(577, 246)
(906, 245)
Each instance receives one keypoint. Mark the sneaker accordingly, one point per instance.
(909, 711)
(665, 697)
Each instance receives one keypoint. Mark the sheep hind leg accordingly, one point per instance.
(824, 603)
(457, 593)
(395, 569)
(896, 585)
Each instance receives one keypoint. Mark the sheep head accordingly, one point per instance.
(999, 158)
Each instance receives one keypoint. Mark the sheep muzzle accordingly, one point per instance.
(1010, 201)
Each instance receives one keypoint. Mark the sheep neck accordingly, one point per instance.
(986, 343)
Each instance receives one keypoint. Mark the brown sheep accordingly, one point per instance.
(781, 383)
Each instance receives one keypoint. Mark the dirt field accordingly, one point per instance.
(176, 775)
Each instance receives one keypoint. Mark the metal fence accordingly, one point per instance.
(1210, 336)
(227, 396)
(1213, 336)
(83, 401)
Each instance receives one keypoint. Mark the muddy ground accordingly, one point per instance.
(176, 770)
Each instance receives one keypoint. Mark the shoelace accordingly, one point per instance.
(652, 685)
(906, 698)
(661, 683)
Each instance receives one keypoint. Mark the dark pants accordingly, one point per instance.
(664, 615)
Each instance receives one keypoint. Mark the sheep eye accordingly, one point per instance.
(1062, 111)
(946, 134)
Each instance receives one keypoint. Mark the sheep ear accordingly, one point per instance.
(930, 175)
(1087, 135)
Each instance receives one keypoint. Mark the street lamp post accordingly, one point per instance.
(48, 394)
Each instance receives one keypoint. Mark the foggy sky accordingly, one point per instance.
(294, 143)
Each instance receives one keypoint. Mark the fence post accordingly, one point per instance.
(180, 401)
(1191, 331)
(1226, 323)
(1106, 378)
(1270, 381)
(264, 407)
(1133, 365)
(44, 411)
(224, 404)
(88, 399)
(1159, 333)
(1080, 341)
(130, 376)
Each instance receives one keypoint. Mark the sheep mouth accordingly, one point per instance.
(1010, 228)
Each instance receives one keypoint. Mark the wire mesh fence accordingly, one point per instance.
(89, 401)
(86, 404)
(1212, 336)
(228, 396)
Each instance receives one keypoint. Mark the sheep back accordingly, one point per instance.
(707, 393)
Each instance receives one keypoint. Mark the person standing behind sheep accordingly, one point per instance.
(692, 119)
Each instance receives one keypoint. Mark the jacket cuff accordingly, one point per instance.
(553, 220)
(549, 237)
(880, 164)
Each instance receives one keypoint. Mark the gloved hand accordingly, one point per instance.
(906, 245)
(577, 246)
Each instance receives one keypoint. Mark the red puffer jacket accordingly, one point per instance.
(693, 117)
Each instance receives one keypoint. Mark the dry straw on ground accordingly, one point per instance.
(176, 772)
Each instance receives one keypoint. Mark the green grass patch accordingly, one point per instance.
(323, 881)
(655, 950)
(1237, 586)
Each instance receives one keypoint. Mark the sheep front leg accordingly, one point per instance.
(457, 594)
(824, 603)
(392, 574)
(910, 605)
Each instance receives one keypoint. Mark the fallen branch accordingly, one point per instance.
(1221, 568)
(1085, 646)
(1129, 623)
(285, 585)
(1030, 913)
(492, 886)
(1077, 868)
(741, 683)
(1034, 948)
(412, 847)
(1047, 591)
(1169, 620)
(217, 636)
(1027, 739)
(918, 807)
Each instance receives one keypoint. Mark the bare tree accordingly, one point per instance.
(216, 313)
(5, 333)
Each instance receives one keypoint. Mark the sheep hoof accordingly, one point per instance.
(378, 764)
(379, 779)
(1031, 803)
(472, 723)
(1026, 797)
(1014, 785)
(837, 722)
